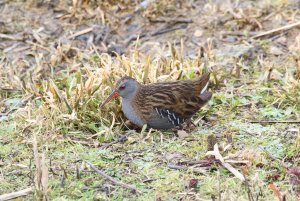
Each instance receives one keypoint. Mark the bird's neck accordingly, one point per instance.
(130, 111)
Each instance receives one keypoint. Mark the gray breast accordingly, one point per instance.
(130, 113)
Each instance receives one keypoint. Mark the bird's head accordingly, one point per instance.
(125, 87)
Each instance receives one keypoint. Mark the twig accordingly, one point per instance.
(283, 28)
(13, 195)
(233, 171)
(159, 32)
(38, 45)
(182, 167)
(114, 181)
(238, 33)
(171, 20)
(217, 155)
(10, 37)
(177, 167)
(121, 139)
(148, 180)
(275, 122)
(10, 47)
(20, 49)
(85, 31)
(200, 162)
(10, 90)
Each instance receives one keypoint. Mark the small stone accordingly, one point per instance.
(198, 33)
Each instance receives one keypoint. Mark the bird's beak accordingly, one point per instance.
(113, 95)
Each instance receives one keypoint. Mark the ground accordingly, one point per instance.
(59, 60)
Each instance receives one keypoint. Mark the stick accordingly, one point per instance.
(13, 195)
(159, 32)
(238, 33)
(85, 31)
(275, 122)
(203, 163)
(283, 28)
(233, 171)
(121, 139)
(114, 181)
(38, 45)
(168, 20)
(10, 37)
(10, 90)
(217, 155)
(177, 167)
(182, 167)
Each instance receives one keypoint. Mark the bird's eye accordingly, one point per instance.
(122, 87)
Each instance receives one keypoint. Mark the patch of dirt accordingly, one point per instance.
(60, 29)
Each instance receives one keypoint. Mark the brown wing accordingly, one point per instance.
(180, 99)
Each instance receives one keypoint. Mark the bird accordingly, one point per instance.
(162, 105)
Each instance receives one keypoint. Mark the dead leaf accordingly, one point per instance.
(172, 156)
(198, 33)
(245, 170)
(275, 50)
(182, 134)
(193, 183)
